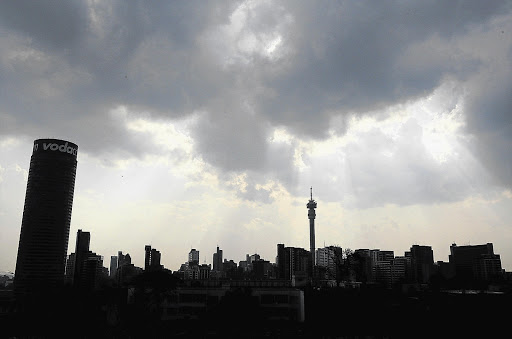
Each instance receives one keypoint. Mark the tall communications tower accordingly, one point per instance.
(311, 215)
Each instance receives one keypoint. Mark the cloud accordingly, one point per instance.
(488, 104)
(350, 57)
(245, 69)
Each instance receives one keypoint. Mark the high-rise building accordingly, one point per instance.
(83, 240)
(91, 272)
(311, 215)
(151, 259)
(126, 271)
(253, 258)
(193, 256)
(330, 258)
(249, 259)
(422, 263)
(155, 258)
(113, 265)
(46, 220)
(488, 268)
(204, 271)
(70, 269)
(217, 260)
(363, 263)
(262, 269)
(292, 261)
(88, 268)
(147, 257)
(123, 259)
(475, 262)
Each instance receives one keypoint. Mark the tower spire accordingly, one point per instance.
(311, 205)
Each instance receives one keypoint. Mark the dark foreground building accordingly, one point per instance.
(475, 263)
(46, 217)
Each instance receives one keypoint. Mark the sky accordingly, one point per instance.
(203, 124)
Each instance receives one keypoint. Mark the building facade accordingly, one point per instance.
(46, 219)
(113, 266)
(193, 256)
(422, 263)
(292, 261)
(83, 240)
(217, 260)
(152, 259)
(475, 262)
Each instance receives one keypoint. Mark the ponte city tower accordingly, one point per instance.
(46, 217)
(311, 215)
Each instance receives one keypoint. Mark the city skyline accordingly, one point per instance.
(205, 125)
(468, 265)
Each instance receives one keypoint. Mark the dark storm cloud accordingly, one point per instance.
(52, 25)
(349, 56)
(489, 120)
(66, 65)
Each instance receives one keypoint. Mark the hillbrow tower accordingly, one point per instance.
(46, 217)
(311, 215)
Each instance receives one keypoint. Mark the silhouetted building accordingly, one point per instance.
(242, 264)
(262, 269)
(475, 262)
(446, 270)
(191, 270)
(249, 259)
(91, 272)
(83, 240)
(488, 268)
(155, 258)
(400, 269)
(126, 271)
(152, 259)
(378, 255)
(217, 260)
(46, 220)
(193, 256)
(229, 265)
(147, 257)
(87, 269)
(113, 266)
(382, 272)
(204, 271)
(329, 258)
(374, 266)
(123, 259)
(281, 262)
(70, 269)
(422, 263)
(381, 266)
(292, 261)
(363, 265)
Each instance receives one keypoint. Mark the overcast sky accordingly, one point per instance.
(206, 123)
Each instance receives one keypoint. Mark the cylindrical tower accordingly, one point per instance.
(46, 217)
(311, 215)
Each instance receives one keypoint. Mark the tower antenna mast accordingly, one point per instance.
(311, 205)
